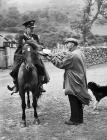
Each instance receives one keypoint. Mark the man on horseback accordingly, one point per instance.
(32, 39)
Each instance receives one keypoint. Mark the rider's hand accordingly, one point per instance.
(28, 41)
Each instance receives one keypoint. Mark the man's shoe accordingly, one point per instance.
(69, 122)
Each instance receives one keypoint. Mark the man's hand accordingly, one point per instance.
(48, 56)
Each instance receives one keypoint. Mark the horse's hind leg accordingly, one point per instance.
(36, 119)
(23, 109)
(28, 99)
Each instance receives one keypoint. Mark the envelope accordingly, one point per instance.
(46, 51)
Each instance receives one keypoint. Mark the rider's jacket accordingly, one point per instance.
(23, 38)
(32, 40)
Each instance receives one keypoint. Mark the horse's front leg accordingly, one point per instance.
(22, 95)
(36, 119)
(28, 99)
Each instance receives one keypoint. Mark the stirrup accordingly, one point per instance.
(10, 88)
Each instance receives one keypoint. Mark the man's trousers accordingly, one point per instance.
(76, 109)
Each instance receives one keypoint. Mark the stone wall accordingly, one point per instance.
(95, 55)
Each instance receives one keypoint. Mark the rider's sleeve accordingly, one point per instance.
(36, 37)
(20, 42)
(33, 43)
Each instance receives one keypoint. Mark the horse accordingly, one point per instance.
(28, 82)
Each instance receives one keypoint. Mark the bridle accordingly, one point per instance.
(26, 54)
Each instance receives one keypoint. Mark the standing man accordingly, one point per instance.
(32, 39)
(75, 81)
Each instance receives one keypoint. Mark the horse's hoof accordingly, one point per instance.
(23, 124)
(36, 121)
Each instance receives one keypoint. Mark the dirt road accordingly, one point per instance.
(53, 111)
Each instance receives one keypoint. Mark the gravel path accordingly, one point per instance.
(53, 111)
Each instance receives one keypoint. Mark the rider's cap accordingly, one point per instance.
(30, 23)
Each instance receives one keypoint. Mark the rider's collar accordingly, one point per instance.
(28, 36)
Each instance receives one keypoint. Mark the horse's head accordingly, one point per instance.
(27, 52)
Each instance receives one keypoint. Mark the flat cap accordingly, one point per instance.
(73, 40)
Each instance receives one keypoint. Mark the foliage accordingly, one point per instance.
(9, 36)
(54, 24)
(90, 13)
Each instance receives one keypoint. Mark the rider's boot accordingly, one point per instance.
(42, 89)
(41, 79)
(15, 89)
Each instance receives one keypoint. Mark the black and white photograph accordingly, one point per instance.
(53, 70)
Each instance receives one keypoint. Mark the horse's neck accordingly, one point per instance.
(28, 73)
(27, 78)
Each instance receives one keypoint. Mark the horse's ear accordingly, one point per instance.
(38, 36)
(23, 51)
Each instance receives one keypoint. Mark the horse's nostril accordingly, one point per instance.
(29, 67)
(32, 65)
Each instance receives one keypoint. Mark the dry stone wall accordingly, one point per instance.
(95, 55)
